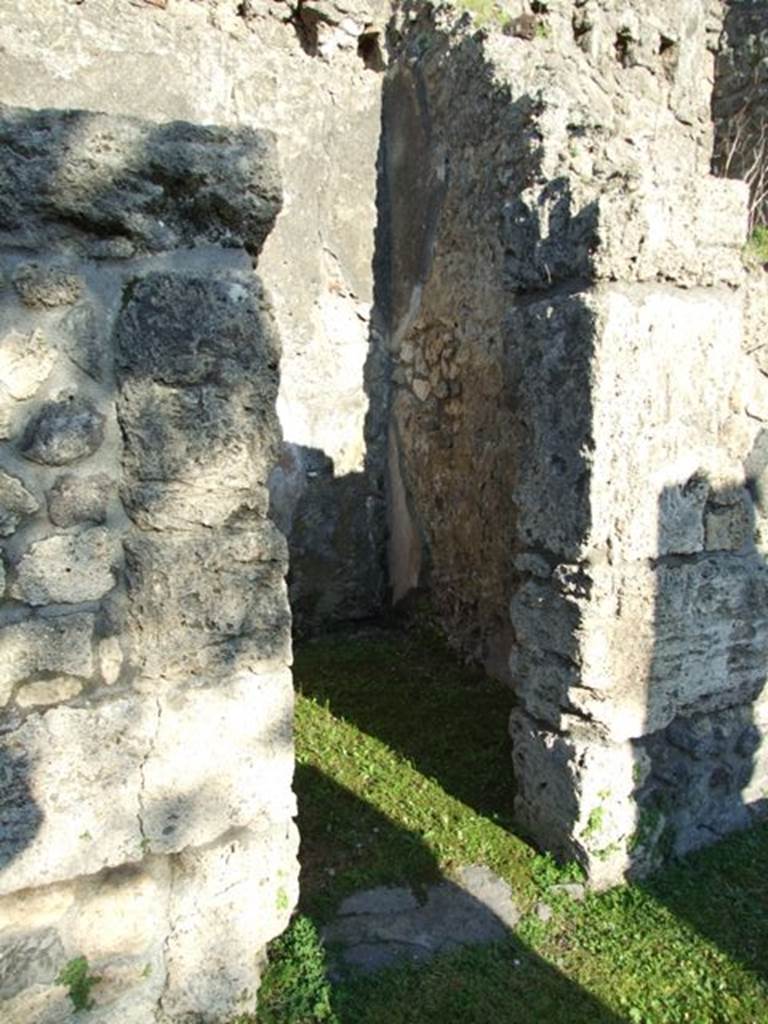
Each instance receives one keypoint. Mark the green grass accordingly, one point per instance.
(403, 774)
(757, 246)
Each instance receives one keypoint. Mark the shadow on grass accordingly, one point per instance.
(504, 980)
(449, 720)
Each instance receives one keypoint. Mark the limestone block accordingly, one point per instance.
(728, 527)
(181, 770)
(48, 691)
(96, 178)
(120, 912)
(690, 232)
(158, 506)
(549, 348)
(241, 735)
(577, 795)
(666, 363)
(67, 568)
(59, 643)
(228, 901)
(16, 503)
(202, 604)
(58, 766)
(26, 360)
(63, 431)
(197, 361)
(45, 287)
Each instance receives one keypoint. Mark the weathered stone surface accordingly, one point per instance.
(377, 927)
(60, 764)
(29, 958)
(85, 332)
(59, 643)
(42, 287)
(95, 177)
(16, 503)
(48, 691)
(228, 901)
(67, 568)
(77, 499)
(198, 381)
(63, 431)
(170, 506)
(207, 605)
(26, 360)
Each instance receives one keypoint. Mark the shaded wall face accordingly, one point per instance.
(588, 504)
(517, 166)
(255, 64)
(146, 702)
(740, 102)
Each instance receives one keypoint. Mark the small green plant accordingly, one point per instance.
(295, 989)
(595, 822)
(78, 982)
(543, 30)
(757, 245)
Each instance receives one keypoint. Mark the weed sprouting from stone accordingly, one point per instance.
(79, 982)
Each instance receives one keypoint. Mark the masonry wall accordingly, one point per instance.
(145, 695)
(309, 73)
(578, 417)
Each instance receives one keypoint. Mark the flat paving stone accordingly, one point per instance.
(376, 928)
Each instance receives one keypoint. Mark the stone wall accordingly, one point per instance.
(578, 415)
(146, 723)
(309, 72)
(740, 101)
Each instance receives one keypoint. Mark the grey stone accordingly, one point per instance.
(206, 604)
(16, 503)
(197, 368)
(45, 287)
(381, 900)
(29, 958)
(79, 499)
(62, 432)
(57, 644)
(86, 339)
(97, 176)
(376, 928)
(67, 568)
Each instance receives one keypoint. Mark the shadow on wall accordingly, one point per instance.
(183, 430)
(520, 986)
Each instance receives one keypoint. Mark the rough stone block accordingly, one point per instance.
(181, 770)
(63, 431)
(67, 568)
(16, 503)
(45, 287)
(28, 958)
(61, 643)
(159, 506)
(95, 178)
(228, 901)
(26, 360)
(207, 605)
(198, 381)
(84, 330)
(691, 232)
(48, 691)
(79, 499)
